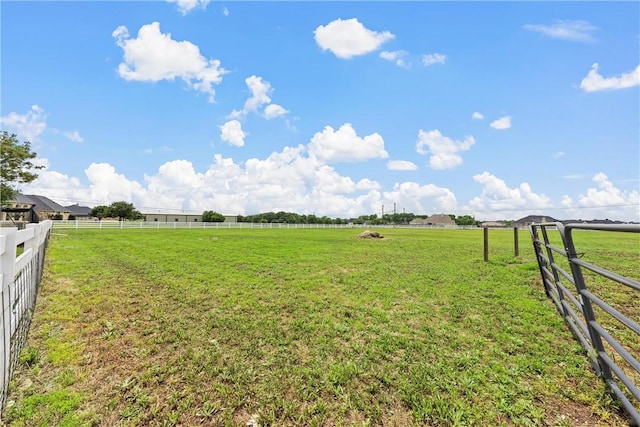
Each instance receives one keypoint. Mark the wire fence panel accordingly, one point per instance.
(600, 305)
(22, 255)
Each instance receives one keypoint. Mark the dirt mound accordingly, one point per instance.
(367, 234)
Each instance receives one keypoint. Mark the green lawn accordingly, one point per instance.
(300, 327)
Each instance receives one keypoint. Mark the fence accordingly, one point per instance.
(22, 255)
(87, 224)
(616, 361)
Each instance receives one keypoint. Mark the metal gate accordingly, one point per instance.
(582, 304)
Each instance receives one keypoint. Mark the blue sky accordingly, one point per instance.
(492, 109)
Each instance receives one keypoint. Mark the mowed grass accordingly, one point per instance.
(300, 327)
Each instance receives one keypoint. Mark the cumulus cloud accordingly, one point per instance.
(603, 201)
(397, 56)
(477, 116)
(344, 145)
(26, 126)
(594, 82)
(272, 111)
(497, 196)
(433, 58)
(607, 194)
(186, 6)
(401, 165)
(260, 96)
(73, 136)
(502, 123)
(349, 38)
(414, 197)
(579, 31)
(232, 133)
(443, 151)
(154, 56)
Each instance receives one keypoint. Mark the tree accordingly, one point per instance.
(212, 216)
(465, 220)
(124, 210)
(15, 165)
(100, 212)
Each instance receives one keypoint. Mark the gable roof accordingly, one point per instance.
(41, 203)
(79, 210)
(440, 219)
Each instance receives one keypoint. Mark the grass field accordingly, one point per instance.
(302, 327)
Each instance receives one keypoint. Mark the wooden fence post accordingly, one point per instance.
(515, 241)
(486, 244)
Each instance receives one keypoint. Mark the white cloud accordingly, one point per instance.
(365, 184)
(344, 145)
(605, 201)
(415, 198)
(401, 165)
(154, 56)
(73, 136)
(260, 93)
(558, 154)
(26, 126)
(260, 96)
(397, 56)
(349, 38)
(497, 197)
(443, 150)
(502, 123)
(186, 6)
(580, 31)
(607, 194)
(225, 11)
(594, 82)
(232, 133)
(433, 58)
(272, 111)
(477, 116)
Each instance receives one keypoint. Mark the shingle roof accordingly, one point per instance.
(41, 203)
(79, 210)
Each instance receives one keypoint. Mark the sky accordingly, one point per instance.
(497, 110)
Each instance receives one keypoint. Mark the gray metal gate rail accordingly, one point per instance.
(577, 307)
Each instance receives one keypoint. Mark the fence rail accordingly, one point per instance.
(22, 255)
(612, 359)
(84, 224)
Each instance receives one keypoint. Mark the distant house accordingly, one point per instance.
(79, 212)
(418, 221)
(533, 219)
(440, 219)
(178, 217)
(43, 206)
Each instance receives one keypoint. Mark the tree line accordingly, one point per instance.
(396, 218)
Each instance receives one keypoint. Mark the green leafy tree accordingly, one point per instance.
(15, 165)
(212, 216)
(124, 210)
(100, 212)
(465, 220)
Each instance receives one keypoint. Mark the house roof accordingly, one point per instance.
(440, 219)
(79, 210)
(41, 203)
(535, 219)
(418, 221)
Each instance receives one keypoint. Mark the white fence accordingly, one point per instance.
(84, 224)
(22, 255)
